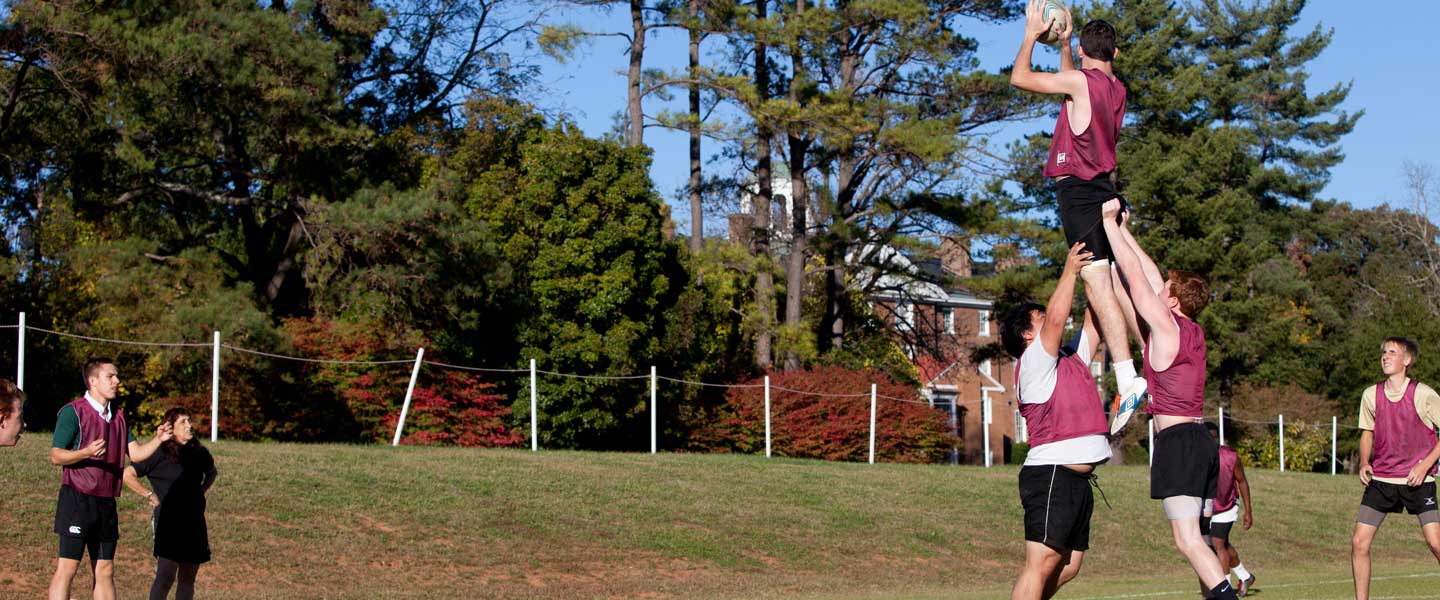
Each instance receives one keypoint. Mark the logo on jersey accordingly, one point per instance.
(1429, 502)
(1060, 158)
(75, 530)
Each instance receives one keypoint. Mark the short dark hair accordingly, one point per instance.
(1014, 325)
(9, 397)
(1411, 348)
(1097, 39)
(92, 365)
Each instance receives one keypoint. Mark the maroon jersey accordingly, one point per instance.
(1091, 153)
(99, 476)
(1225, 491)
(1073, 410)
(1180, 389)
(1401, 438)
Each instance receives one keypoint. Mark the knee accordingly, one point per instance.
(104, 569)
(1359, 546)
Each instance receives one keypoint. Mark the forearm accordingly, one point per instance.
(209, 480)
(1020, 74)
(141, 452)
(1367, 443)
(1123, 248)
(1057, 311)
(1244, 487)
(64, 458)
(1067, 59)
(133, 482)
(1152, 273)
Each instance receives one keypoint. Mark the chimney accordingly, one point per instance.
(955, 256)
(1008, 256)
(740, 226)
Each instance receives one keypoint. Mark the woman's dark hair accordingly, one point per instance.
(171, 447)
(1014, 325)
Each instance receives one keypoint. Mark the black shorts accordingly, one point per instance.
(1392, 498)
(1186, 462)
(1058, 503)
(1221, 531)
(90, 520)
(1080, 202)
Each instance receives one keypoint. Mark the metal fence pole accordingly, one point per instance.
(1222, 425)
(20, 354)
(1282, 443)
(767, 416)
(409, 393)
(215, 391)
(652, 409)
(1334, 426)
(534, 429)
(872, 423)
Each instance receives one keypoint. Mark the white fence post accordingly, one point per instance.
(1282, 443)
(985, 424)
(1334, 425)
(652, 409)
(1222, 425)
(20, 354)
(534, 429)
(872, 423)
(1151, 426)
(215, 391)
(767, 416)
(409, 393)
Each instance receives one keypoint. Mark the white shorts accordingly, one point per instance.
(1229, 516)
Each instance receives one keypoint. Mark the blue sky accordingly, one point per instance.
(1393, 71)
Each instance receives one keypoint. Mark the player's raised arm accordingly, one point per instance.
(1067, 81)
(1164, 333)
(1057, 311)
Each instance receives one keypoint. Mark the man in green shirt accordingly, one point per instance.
(91, 443)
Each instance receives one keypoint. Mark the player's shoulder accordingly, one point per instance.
(1421, 389)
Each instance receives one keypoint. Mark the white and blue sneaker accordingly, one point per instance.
(1126, 403)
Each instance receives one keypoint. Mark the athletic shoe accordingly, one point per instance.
(1245, 586)
(1126, 402)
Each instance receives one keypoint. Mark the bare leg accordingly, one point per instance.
(1041, 562)
(1432, 538)
(64, 574)
(1065, 574)
(1191, 544)
(104, 579)
(1360, 558)
(1127, 307)
(1101, 293)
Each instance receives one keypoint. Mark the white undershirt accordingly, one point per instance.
(103, 409)
(1036, 382)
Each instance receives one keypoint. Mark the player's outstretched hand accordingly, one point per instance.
(1111, 208)
(1069, 29)
(1367, 473)
(1035, 23)
(1078, 258)
(165, 432)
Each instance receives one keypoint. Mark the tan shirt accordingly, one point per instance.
(1427, 404)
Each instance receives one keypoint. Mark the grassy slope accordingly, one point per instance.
(313, 521)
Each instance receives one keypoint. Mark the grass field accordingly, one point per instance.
(328, 521)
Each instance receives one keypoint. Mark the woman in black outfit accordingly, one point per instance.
(181, 472)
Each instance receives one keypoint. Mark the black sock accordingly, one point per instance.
(1224, 591)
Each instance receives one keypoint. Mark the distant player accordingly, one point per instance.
(1066, 421)
(1231, 486)
(1398, 451)
(12, 410)
(1082, 163)
(1185, 461)
(91, 443)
